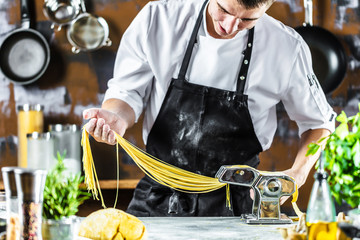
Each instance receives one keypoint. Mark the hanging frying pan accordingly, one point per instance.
(328, 54)
(88, 32)
(24, 53)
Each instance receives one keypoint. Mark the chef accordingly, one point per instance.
(208, 76)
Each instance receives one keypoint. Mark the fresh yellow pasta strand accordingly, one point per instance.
(117, 174)
(143, 156)
(87, 164)
(293, 202)
(180, 180)
(183, 185)
(91, 179)
(164, 173)
(172, 176)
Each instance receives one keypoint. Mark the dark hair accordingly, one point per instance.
(250, 4)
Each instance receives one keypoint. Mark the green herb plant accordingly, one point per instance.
(341, 158)
(62, 193)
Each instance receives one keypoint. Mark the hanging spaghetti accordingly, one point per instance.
(160, 171)
(91, 179)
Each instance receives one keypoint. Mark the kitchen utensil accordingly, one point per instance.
(268, 188)
(40, 151)
(30, 187)
(61, 12)
(24, 53)
(328, 54)
(88, 32)
(30, 119)
(66, 228)
(68, 138)
(12, 205)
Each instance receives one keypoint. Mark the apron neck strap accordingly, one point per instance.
(246, 61)
(186, 60)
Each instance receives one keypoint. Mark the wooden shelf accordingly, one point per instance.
(108, 184)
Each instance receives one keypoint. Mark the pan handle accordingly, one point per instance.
(25, 16)
(83, 7)
(308, 5)
(75, 50)
(108, 42)
(56, 27)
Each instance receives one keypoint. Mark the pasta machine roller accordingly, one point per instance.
(268, 188)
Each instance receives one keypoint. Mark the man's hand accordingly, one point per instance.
(115, 115)
(299, 178)
(102, 123)
(303, 164)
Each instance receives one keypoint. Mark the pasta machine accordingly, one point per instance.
(268, 188)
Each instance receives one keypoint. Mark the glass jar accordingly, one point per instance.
(64, 228)
(30, 185)
(12, 206)
(68, 139)
(30, 119)
(40, 151)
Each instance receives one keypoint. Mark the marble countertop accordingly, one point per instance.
(208, 228)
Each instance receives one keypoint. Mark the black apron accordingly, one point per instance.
(199, 129)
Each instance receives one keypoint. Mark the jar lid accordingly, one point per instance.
(30, 107)
(64, 127)
(9, 180)
(321, 175)
(29, 171)
(38, 136)
(30, 184)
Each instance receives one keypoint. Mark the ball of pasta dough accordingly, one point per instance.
(112, 224)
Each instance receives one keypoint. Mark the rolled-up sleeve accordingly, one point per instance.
(304, 100)
(133, 77)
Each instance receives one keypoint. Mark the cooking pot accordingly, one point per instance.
(61, 12)
(24, 53)
(88, 32)
(328, 54)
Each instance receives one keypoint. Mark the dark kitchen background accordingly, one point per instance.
(74, 82)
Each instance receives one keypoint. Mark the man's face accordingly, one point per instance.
(225, 18)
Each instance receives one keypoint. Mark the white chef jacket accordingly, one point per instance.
(152, 49)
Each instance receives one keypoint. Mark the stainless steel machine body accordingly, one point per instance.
(268, 188)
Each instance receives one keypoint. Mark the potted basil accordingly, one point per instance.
(62, 197)
(341, 159)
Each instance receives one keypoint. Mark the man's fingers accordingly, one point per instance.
(111, 137)
(105, 132)
(90, 126)
(90, 113)
(99, 127)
